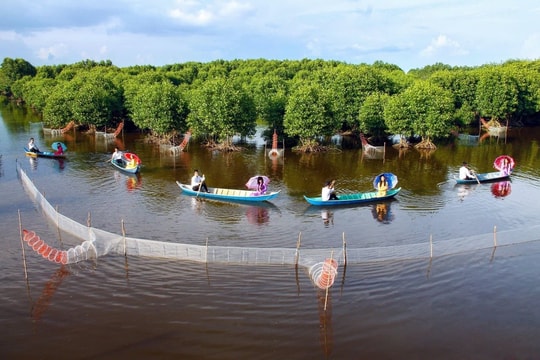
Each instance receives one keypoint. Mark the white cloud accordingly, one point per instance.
(53, 52)
(8, 36)
(408, 33)
(531, 47)
(443, 45)
(198, 17)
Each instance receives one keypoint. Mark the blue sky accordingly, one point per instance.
(407, 33)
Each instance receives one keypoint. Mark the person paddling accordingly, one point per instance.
(198, 182)
(465, 173)
(32, 146)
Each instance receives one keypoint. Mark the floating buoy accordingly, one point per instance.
(52, 255)
(43, 249)
(324, 273)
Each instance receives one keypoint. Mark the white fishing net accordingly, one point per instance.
(96, 243)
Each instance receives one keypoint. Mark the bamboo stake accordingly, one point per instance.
(22, 246)
(495, 236)
(327, 287)
(124, 237)
(431, 245)
(344, 250)
(206, 251)
(58, 225)
(297, 255)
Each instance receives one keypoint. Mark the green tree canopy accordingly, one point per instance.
(497, 94)
(159, 107)
(371, 115)
(221, 108)
(423, 109)
(12, 70)
(308, 114)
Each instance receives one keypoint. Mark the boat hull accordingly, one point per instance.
(352, 199)
(45, 154)
(227, 194)
(484, 177)
(122, 166)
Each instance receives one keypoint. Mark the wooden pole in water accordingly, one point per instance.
(344, 250)
(328, 287)
(206, 251)
(22, 246)
(58, 224)
(431, 245)
(297, 255)
(495, 236)
(89, 220)
(124, 237)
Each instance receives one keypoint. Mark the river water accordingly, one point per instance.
(472, 304)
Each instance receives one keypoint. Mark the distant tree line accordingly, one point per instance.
(305, 100)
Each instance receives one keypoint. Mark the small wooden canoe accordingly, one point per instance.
(484, 177)
(129, 163)
(46, 154)
(227, 194)
(350, 199)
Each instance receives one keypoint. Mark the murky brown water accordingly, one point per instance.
(477, 304)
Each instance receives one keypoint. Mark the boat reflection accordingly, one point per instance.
(327, 217)
(463, 190)
(33, 162)
(257, 215)
(61, 164)
(132, 181)
(382, 212)
(501, 189)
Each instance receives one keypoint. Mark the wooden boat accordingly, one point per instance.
(484, 177)
(46, 154)
(129, 163)
(349, 199)
(228, 194)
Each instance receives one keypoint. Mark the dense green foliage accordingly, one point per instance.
(221, 108)
(305, 99)
(309, 114)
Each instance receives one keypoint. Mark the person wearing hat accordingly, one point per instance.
(465, 173)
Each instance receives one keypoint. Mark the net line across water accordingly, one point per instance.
(97, 242)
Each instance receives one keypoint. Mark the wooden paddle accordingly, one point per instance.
(200, 186)
(476, 177)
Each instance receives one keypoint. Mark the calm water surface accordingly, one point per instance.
(472, 305)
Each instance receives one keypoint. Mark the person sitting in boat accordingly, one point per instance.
(59, 149)
(261, 187)
(32, 146)
(328, 192)
(506, 169)
(198, 182)
(465, 173)
(117, 156)
(382, 186)
(131, 164)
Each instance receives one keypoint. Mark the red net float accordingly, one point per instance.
(44, 249)
(52, 255)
